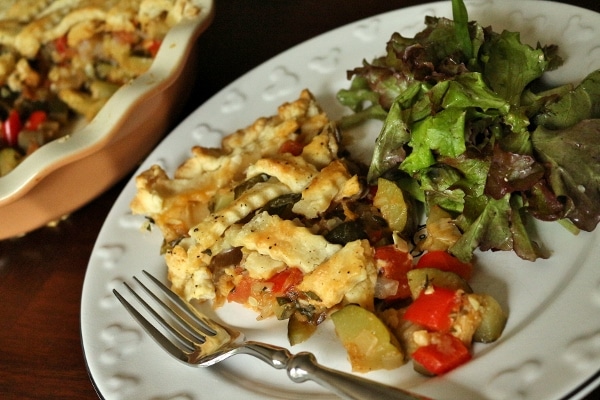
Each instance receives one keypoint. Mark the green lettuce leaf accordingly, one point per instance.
(442, 133)
(573, 106)
(389, 150)
(499, 227)
(461, 20)
(509, 65)
(470, 90)
(489, 231)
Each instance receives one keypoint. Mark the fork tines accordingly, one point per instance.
(186, 335)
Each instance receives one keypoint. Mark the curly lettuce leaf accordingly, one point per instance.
(470, 90)
(461, 131)
(437, 120)
(362, 101)
(512, 172)
(573, 157)
(389, 150)
(473, 170)
(437, 53)
(499, 227)
(443, 133)
(510, 66)
(572, 106)
(489, 231)
(523, 246)
(543, 204)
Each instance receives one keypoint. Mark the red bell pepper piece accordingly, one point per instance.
(282, 283)
(433, 308)
(285, 280)
(393, 263)
(35, 120)
(11, 128)
(153, 46)
(445, 353)
(446, 262)
(242, 290)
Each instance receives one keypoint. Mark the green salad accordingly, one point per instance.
(469, 127)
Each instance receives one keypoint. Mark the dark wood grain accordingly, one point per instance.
(41, 274)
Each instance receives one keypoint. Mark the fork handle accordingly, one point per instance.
(303, 366)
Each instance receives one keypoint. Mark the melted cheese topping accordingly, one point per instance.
(178, 204)
(285, 241)
(203, 210)
(341, 273)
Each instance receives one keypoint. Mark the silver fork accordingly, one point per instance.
(200, 341)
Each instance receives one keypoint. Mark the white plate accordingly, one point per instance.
(551, 345)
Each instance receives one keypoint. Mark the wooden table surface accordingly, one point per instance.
(41, 274)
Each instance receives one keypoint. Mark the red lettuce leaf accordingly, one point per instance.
(573, 158)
